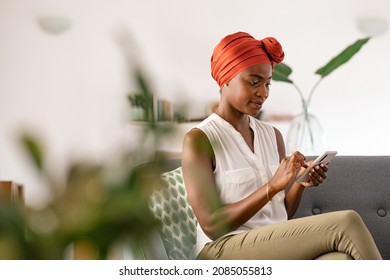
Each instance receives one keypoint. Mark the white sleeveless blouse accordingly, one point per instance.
(239, 171)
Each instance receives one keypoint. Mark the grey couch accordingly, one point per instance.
(360, 183)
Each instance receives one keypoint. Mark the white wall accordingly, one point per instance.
(71, 88)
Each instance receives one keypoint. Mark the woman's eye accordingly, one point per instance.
(253, 83)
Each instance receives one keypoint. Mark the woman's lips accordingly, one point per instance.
(257, 105)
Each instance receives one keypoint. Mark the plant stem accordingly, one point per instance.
(310, 131)
(312, 91)
(306, 122)
(303, 100)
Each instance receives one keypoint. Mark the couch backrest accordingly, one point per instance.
(360, 183)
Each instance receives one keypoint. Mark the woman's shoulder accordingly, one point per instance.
(196, 137)
(211, 118)
(197, 143)
(195, 133)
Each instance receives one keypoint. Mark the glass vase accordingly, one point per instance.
(305, 135)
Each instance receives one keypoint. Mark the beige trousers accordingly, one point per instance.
(299, 239)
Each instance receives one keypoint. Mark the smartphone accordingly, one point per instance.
(325, 158)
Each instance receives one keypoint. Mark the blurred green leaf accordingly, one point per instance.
(282, 72)
(341, 58)
(142, 83)
(94, 203)
(34, 150)
(143, 98)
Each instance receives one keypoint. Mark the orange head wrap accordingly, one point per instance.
(238, 51)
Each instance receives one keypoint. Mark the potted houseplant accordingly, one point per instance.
(305, 132)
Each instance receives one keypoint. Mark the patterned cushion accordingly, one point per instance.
(170, 206)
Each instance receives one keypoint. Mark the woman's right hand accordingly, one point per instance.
(286, 171)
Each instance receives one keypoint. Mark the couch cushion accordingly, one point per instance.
(178, 223)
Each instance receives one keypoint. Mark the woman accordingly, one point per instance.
(237, 174)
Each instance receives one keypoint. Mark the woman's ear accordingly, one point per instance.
(224, 85)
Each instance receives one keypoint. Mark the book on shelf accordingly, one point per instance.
(164, 110)
(11, 191)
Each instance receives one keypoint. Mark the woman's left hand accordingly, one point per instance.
(317, 175)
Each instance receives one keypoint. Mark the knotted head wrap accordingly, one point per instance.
(239, 51)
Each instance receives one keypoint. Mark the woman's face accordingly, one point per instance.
(249, 89)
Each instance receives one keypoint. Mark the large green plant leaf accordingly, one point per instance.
(142, 83)
(281, 73)
(34, 150)
(341, 58)
(144, 98)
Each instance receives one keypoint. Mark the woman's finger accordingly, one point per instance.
(298, 160)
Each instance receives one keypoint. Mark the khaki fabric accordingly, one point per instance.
(299, 239)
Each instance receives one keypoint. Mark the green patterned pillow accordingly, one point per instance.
(170, 206)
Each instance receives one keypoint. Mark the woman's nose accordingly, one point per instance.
(263, 92)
